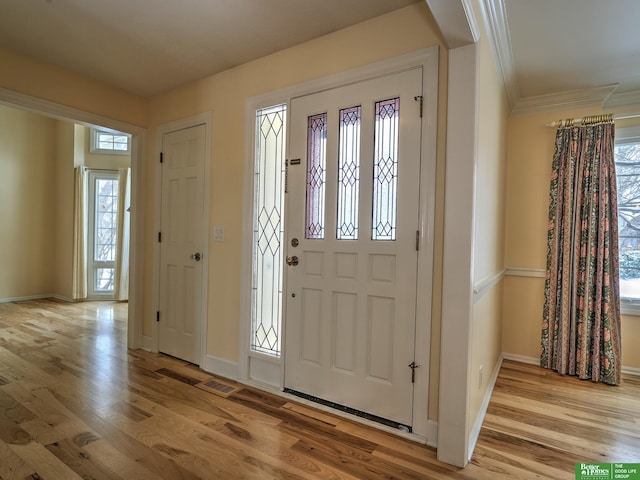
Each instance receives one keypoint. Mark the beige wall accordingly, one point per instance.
(30, 77)
(530, 153)
(27, 203)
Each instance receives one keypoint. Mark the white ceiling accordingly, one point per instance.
(552, 53)
(568, 52)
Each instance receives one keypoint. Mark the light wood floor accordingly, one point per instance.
(75, 404)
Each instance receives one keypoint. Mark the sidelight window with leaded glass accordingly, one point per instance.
(268, 229)
(385, 170)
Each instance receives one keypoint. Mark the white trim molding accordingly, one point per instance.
(525, 272)
(586, 97)
(486, 284)
(497, 25)
(536, 361)
(221, 367)
(477, 426)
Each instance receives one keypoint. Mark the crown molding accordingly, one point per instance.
(585, 97)
(623, 100)
(495, 18)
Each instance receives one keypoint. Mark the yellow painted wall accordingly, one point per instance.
(38, 79)
(397, 33)
(488, 254)
(27, 203)
(530, 153)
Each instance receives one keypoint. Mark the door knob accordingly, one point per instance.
(196, 256)
(292, 261)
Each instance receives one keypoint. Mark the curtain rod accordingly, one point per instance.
(560, 123)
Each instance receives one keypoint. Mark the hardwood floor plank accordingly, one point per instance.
(75, 403)
(45, 464)
(13, 467)
(80, 461)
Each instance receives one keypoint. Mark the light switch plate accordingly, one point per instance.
(218, 233)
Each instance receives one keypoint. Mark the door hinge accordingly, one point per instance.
(159, 237)
(158, 316)
(418, 98)
(413, 367)
(417, 240)
(162, 155)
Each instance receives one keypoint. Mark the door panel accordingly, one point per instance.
(181, 226)
(351, 300)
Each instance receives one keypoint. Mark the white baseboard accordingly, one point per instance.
(147, 343)
(536, 361)
(432, 433)
(477, 426)
(631, 371)
(221, 367)
(62, 298)
(25, 298)
(521, 358)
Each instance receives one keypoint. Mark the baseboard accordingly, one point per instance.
(477, 426)
(631, 371)
(521, 358)
(432, 433)
(62, 298)
(536, 361)
(147, 343)
(26, 298)
(221, 367)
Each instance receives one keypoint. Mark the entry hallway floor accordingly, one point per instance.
(76, 404)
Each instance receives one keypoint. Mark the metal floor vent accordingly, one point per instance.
(219, 388)
(351, 411)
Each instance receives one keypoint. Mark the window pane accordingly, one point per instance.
(385, 170)
(111, 141)
(628, 183)
(106, 219)
(348, 174)
(316, 173)
(104, 279)
(268, 230)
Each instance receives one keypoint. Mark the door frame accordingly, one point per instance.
(59, 111)
(161, 130)
(262, 370)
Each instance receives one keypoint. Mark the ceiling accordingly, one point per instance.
(150, 46)
(552, 53)
(567, 53)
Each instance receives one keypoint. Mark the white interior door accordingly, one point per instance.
(181, 263)
(352, 210)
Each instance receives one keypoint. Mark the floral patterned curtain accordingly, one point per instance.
(581, 324)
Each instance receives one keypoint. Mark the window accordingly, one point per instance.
(627, 159)
(268, 230)
(103, 228)
(110, 142)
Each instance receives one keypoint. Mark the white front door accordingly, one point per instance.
(352, 210)
(181, 262)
